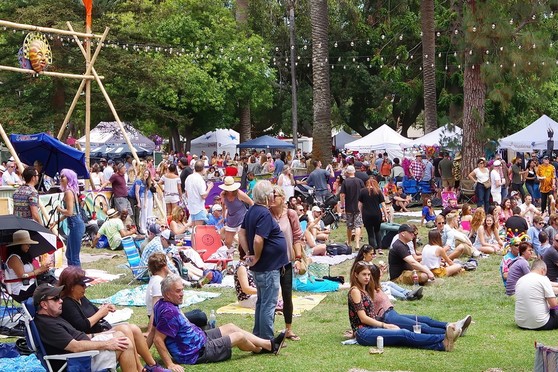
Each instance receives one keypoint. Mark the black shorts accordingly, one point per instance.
(216, 349)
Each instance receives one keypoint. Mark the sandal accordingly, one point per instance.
(293, 337)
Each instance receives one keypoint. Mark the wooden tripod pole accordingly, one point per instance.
(82, 85)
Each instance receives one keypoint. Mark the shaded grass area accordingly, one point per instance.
(493, 340)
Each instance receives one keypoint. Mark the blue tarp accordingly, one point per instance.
(265, 142)
(54, 154)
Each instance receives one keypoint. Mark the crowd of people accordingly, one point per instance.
(276, 232)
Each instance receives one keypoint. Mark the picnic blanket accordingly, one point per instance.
(301, 304)
(136, 297)
(333, 260)
(228, 282)
(27, 363)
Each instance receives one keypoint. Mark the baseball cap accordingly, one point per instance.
(497, 163)
(514, 193)
(168, 235)
(406, 227)
(216, 207)
(545, 157)
(45, 290)
(316, 209)
(155, 229)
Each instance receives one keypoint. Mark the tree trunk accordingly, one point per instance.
(244, 105)
(294, 105)
(321, 149)
(428, 65)
(245, 126)
(474, 96)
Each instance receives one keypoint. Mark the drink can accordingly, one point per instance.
(380, 343)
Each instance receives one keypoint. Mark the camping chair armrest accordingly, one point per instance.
(201, 252)
(90, 353)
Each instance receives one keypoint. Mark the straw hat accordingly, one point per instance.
(22, 237)
(457, 156)
(111, 213)
(229, 184)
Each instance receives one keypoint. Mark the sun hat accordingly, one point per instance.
(22, 237)
(457, 156)
(229, 184)
(111, 213)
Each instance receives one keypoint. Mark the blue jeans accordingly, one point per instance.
(483, 196)
(399, 337)
(428, 325)
(267, 285)
(76, 229)
(396, 291)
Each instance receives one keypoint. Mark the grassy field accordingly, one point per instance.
(492, 341)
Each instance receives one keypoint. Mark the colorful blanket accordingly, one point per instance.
(28, 363)
(333, 260)
(301, 304)
(136, 297)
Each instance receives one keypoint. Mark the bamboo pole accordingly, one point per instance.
(48, 73)
(88, 66)
(109, 102)
(82, 85)
(19, 165)
(22, 26)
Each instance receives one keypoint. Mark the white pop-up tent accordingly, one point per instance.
(219, 140)
(434, 137)
(383, 138)
(533, 137)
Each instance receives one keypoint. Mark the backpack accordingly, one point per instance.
(336, 249)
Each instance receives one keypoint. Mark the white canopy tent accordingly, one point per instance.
(342, 138)
(533, 137)
(434, 137)
(383, 138)
(219, 140)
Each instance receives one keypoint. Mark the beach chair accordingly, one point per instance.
(77, 360)
(132, 254)
(411, 187)
(467, 194)
(206, 241)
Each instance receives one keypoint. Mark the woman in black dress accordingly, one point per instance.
(372, 209)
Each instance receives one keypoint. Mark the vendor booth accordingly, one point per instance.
(533, 137)
(219, 140)
(383, 138)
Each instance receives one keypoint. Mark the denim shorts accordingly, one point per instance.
(200, 216)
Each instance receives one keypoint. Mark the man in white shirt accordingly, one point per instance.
(535, 301)
(196, 191)
(457, 243)
(10, 178)
(496, 182)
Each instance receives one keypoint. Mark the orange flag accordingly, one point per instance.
(88, 10)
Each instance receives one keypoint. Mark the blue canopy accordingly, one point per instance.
(54, 154)
(265, 142)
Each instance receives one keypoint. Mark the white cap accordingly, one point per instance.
(497, 163)
(216, 207)
(316, 209)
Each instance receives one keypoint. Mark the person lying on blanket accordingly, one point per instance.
(180, 342)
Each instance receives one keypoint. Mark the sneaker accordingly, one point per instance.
(452, 333)
(415, 294)
(464, 324)
(155, 368)
(476, 253)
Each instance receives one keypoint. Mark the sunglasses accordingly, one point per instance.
(55, 299)
(365, 263)
(440, 223)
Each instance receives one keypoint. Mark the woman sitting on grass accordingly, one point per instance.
(488, 240)
(386, 313)
(433, 253)
(466, 217)
(366, 327)
(428, 213)
(366, 253)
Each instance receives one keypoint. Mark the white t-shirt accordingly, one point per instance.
(481, 176)
(531, 308)
(153, 290)
(495, 181)
(195, 186)
(10, 179)
(429, 258)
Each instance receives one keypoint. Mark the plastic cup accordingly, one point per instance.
(417, 328)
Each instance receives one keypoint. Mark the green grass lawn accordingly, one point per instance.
(492, 341)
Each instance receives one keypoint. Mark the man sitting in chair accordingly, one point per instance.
(59, 337)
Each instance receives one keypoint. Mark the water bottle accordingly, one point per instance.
(415, 278)
(212, 319)
(380, 343)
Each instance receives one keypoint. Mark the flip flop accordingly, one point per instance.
(293, 337)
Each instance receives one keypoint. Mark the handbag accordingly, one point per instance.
(101, 326)
(486, 184)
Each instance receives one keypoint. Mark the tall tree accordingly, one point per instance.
(244, 104)
(321, 149)
(428, 65)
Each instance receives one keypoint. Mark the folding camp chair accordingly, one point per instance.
(132, 254)
(35, 344)
(467, 194)
(411, 188)
(10, 312)
(206, 241)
